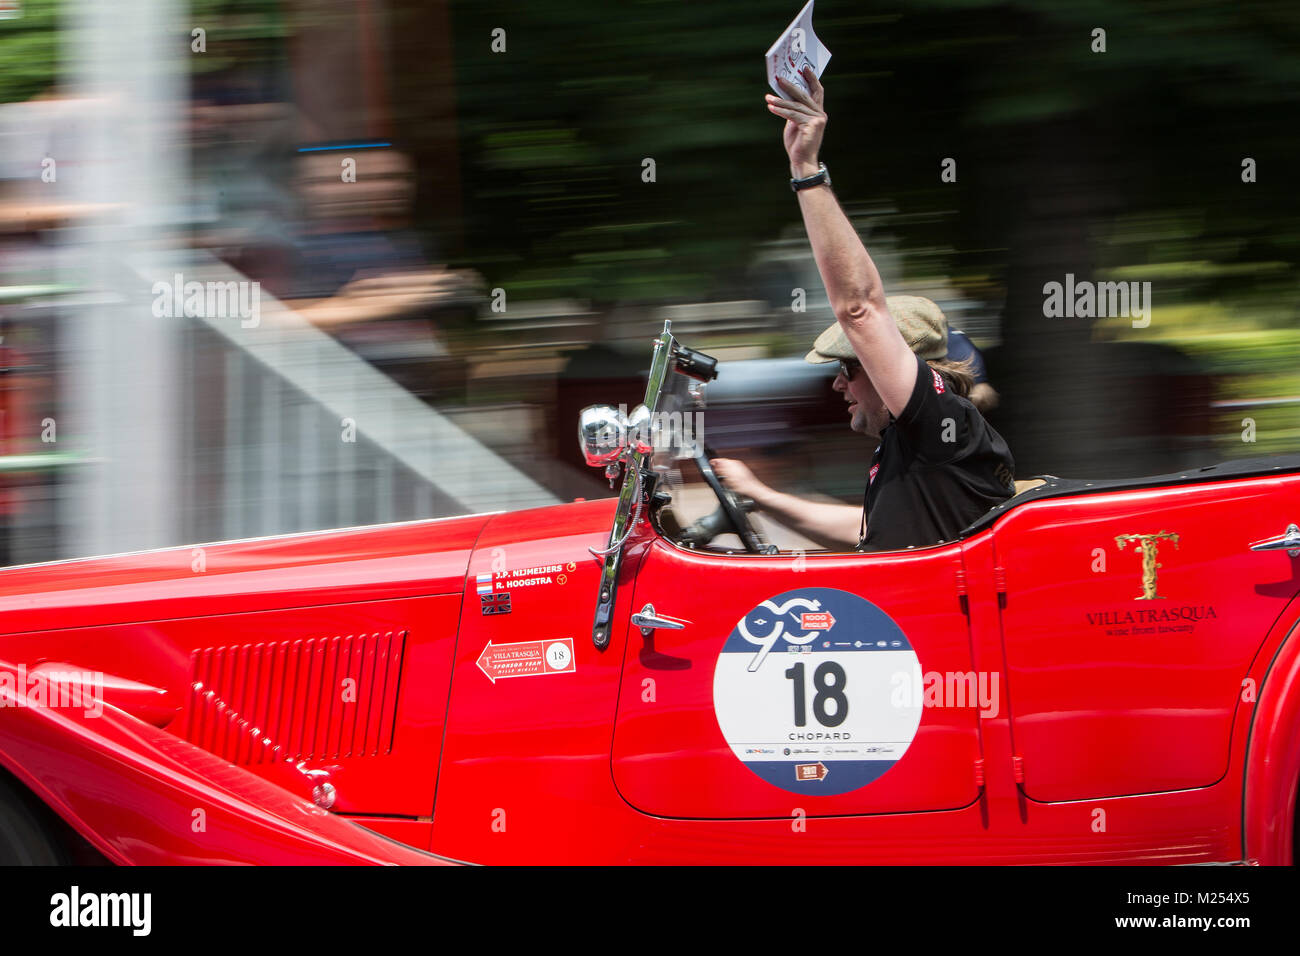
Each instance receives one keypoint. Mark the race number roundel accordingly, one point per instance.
(805, 691)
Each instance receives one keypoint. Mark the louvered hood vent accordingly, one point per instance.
(310, 699)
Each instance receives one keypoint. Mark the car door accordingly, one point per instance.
(1130, 619)
(803, 681)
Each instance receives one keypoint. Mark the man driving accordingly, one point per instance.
(938, 464)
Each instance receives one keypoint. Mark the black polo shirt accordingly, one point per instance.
(939, 466)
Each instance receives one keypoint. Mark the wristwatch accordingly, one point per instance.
(821, 177)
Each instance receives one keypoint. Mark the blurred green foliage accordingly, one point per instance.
(1118, 164)
(555, 132)
(29, 45)
(29, 51)
(555, 129)
(237, 29)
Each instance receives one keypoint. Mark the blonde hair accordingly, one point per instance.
(960, 376)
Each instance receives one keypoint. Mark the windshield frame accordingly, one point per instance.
(635, 480)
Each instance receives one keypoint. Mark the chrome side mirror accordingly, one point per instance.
(602, 433)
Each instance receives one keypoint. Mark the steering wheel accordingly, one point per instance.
(731, 514)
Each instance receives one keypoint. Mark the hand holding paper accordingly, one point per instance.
(805, 122)
(796, 48)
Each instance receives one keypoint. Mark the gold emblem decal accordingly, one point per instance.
(1149, 543)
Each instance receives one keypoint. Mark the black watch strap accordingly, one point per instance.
(819, 178)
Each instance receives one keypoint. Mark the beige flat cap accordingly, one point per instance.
(922, 323)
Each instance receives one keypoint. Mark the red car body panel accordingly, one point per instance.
(305, 570)
(1272, 772)
(1105, 706)
(938, 771)
(143, 796)
(242, 676)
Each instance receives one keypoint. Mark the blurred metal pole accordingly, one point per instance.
(130, 57)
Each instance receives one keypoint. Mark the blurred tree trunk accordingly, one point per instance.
(1050, 185)
(423, 79)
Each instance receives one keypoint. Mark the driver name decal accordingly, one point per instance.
(494, 587)
(526, 577)
(801, 691)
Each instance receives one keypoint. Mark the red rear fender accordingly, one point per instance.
(144, 796)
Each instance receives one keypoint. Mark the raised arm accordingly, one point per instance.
(852, 283)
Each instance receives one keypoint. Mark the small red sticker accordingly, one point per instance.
(816, 620)
(811, 771)
(872, 476)
(938, 381)
(527, 659)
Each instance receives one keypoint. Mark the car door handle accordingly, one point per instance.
(648, 620)
(1289, 542)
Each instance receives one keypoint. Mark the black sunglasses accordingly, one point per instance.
(849, 368)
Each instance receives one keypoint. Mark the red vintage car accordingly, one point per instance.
(1092, 673)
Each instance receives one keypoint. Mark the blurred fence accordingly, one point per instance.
(270, 429)
(288, 430)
